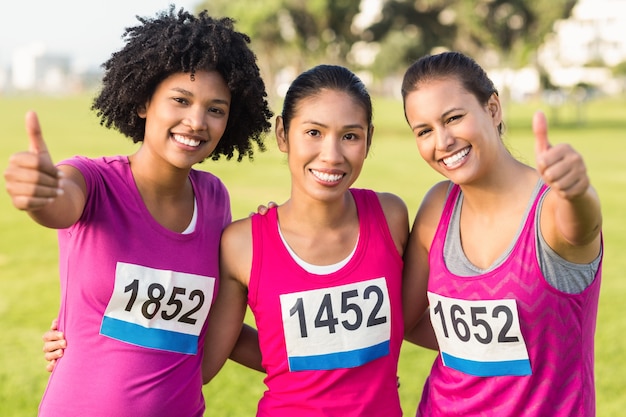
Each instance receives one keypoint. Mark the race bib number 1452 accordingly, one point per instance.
(337, 327)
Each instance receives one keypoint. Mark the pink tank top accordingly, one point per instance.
(510, 344)
(134, 300)
(330, 343)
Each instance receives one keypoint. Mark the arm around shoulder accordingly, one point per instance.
(225, 322)
(416, 264)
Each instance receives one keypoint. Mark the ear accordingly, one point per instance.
(281, 135)
(495, 109)
(142, 111)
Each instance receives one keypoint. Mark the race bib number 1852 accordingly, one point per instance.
(337, 327)
(158, 309)
(479, 337)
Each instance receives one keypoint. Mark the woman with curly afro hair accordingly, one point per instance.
(139, 234)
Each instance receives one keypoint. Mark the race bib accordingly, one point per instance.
(338, 327)
(481, 338)
(158, 309)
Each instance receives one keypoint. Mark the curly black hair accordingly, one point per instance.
(174, 42)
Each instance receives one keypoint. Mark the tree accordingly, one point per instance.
(298, 34)
(292, 33)
(407, 30)
(513, 29)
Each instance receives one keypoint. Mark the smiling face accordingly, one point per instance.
(327, 143)
(455, 134)
(186, 117)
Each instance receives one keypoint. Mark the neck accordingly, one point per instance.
(315, 215)
(507, 187)
(154, 181)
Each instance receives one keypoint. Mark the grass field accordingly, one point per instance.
(28, 254)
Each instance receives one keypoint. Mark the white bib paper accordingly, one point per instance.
(158, 309)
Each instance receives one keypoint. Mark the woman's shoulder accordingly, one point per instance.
(430, 210)
(391, 202)
(236, 249)
(238, 229)
(435, 198)
(397, 217)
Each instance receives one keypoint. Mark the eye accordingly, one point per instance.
(217, 110)
(423, 132)
(454, 118)
(180, 100)
(313, 132)
(351, 136)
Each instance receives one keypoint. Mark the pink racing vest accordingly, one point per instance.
(330, 343)
(510, 344)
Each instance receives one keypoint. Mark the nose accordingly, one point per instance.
(331, 149)
(196, 119)
(444, 139)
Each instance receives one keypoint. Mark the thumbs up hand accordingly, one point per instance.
(560, 166)
(32, 180)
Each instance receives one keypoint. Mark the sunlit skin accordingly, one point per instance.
(455, 134)
(458, 137)
(327, 143)
(185, 119)
(326, 147)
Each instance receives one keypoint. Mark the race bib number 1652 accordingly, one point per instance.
(479, 337)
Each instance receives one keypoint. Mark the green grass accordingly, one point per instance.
(28, 254)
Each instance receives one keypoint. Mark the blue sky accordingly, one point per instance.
(88, 31)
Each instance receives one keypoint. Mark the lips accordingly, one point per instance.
(185, 140)
(327, 177)
(456, 158)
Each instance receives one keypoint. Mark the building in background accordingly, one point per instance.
(582, 51)
(586, 47)
(34, 69)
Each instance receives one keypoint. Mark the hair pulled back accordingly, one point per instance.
(455, 65)
(326, 77)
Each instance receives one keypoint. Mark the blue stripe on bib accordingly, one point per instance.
(519, 367)
(339, 360)
(150, 338)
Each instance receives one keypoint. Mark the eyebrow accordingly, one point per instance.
(350, 126)
(443, 116)
(190, 94)
(182, 91)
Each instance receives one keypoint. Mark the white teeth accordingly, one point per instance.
(451, 160)
(186, 141)
(327, 177)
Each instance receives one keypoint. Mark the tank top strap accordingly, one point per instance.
(372, 220)
(264, 235)
(439, 239)
(528, 233)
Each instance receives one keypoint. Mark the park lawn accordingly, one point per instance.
(28, 254)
